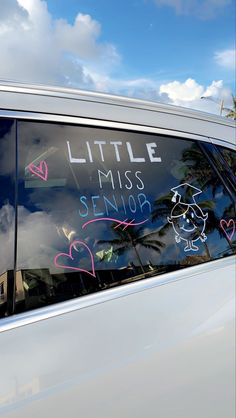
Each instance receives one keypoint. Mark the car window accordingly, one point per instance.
(7, 214)
(230, 158)
(98, 208)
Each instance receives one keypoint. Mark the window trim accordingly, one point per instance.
(103, 123)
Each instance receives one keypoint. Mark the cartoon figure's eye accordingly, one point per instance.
(192, 214)
(188, 221)
(184, 216)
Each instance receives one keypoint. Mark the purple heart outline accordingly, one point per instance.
(40, 170)
(228, 224)
(70, 256)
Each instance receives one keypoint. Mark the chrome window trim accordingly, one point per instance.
(35, 116)
(223, 143)
(46, 117)
(124, 290)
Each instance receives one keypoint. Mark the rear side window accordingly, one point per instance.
(230, 158)
(7, 214)
(98, 208)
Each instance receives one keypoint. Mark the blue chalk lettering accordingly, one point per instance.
(113, 204)
(93, 198)
(82, 200)
(143, 201)
(131, 201)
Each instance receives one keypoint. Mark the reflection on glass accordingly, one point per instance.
(7, 212)
(95, 207)
(230, 158)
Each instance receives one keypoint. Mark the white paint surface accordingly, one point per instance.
(166, 352)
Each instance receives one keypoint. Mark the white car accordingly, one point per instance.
(117, 257)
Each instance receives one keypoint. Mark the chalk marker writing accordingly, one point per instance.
(40, 170)
(228, 225)
(102, 206)
(71, 257)
(187, 218)
(106, 147)
(131, 223)
(128, 179)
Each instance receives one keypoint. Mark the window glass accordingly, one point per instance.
(230, 158)
(7, 213)
(99, 208)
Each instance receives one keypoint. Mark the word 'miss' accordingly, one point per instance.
(100, 145)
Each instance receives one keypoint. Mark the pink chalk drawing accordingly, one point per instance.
(40, 170)
(58, 259)
(119, 223)
(226, 225)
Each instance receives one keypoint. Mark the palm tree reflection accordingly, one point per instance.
(133, 238)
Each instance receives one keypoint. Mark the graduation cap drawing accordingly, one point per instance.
(185, 193)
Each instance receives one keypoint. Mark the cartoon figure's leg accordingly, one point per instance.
(193, 247)
(190, 246)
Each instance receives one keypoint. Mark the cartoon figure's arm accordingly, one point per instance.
(177, 238)
(203, 237)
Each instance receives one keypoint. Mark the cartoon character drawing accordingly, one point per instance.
(187, 218)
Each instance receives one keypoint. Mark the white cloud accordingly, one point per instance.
(35, 47)
(81, 39)
(226, 58)
(11, 11)
(204, 9)
(136, 87)
(182, 92)
(189, 93)
(216, 89)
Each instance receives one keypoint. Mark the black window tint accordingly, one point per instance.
(99, 208)
(7, 214)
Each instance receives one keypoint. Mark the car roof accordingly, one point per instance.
(53, 100)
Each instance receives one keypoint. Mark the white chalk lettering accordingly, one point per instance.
(119, 179)
(130, 182)
(100, 143)
(137, 177)
(131, 155)
(106, 175)
(116, 143)
(89, 152)
(151, 152)
(72, 159)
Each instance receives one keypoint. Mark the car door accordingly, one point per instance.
(123, 266)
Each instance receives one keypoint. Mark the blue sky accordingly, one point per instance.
(156, 41)
(168, 50)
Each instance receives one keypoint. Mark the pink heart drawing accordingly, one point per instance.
(228, 224)
(40, 170)
(71, 257)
